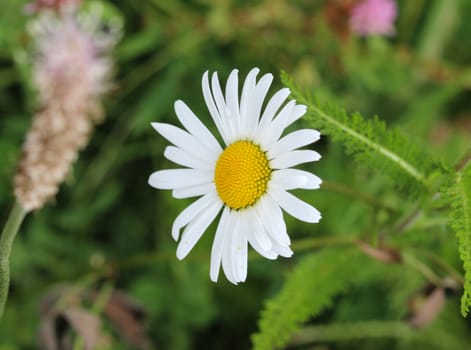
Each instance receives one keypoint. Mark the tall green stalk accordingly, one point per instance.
(9, 232)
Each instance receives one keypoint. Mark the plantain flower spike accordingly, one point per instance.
(71, 72)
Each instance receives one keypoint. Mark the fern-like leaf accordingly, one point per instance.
(309, 290)
(460, 218)
(370, 141)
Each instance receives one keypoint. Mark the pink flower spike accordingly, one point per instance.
(71, 71)
(369, 17)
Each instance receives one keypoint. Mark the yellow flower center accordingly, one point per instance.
(242, 174)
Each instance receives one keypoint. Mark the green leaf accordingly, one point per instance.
(309, 290)
(371, 142)
(460, 219)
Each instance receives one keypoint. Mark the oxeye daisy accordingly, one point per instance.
(247, 178)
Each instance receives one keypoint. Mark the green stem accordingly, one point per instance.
(299, 245)
(319, 242)
(463, 162)
(439, 262)
(348, 332)
(348, 191)
(10, 230)
(418, 265)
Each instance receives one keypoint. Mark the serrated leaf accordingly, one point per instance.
(460, 219)
(309, 290)
(371, 142)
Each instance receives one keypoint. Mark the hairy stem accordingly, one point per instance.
(348, 191)
(9, 232)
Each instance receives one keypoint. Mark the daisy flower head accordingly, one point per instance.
(247, 178)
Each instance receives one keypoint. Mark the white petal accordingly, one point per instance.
(193, 191)
(218, 96)
(289, 159)
(218, 245)
(254, 107)
(274, 129)
(296, 113)
(185, 141)
(272, 219)
(256, 226)
(191, 211)
(227, 262)
(282, 121)
(286, 180)
(232, 103)
(245, 102)
(240, 250)
(312, 181)
(192, 123)
(295, 207)
(180, 157)
(272, 107)
(229, 120)
(177, 178)
(269, 254)
(294, 140)
(283, 250)
(196, 228)
(232, 94)
(208, 98)
(257, 235)
(260, 93)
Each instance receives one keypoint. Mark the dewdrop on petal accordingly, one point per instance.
(71, 72)
(247, 178)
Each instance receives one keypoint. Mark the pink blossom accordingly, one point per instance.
(71, 58)
(369, 17)
(58, 5)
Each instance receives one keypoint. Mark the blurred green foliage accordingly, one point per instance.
(107, 227)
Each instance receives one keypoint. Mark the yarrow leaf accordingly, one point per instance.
(370, 141)
(308, 291)
(459, 194)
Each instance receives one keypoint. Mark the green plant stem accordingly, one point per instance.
(299, 245)
(344, 332)
(439, 262)
(318, 242)
(348, 191)
(349, 331)
(407, 220)
(9, 232)
(418, 265)
(463, 162)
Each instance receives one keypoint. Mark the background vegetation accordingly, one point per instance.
(380, 271)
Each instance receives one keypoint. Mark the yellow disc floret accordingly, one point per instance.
(242, 174)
